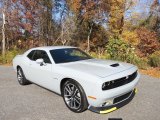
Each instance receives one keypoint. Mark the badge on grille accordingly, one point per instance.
(127, 77)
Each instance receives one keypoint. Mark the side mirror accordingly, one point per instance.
(40, 61)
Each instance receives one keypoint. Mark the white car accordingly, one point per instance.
(84, 82)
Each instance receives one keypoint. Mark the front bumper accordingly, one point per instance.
(107, 109)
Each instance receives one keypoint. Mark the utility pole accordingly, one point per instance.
(3, 34)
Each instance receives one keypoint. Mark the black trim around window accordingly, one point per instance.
(34, 55)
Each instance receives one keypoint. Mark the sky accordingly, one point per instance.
(143, 5)
(141, 8)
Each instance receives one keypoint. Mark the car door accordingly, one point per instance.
(26, 65)
(41, 74)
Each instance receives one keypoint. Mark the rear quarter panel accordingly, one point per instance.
(17, 61)
(23, 62)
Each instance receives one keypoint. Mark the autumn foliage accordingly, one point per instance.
(114, 29)
(130, 37)
(148, 41)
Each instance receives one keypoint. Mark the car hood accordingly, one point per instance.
(98, 67)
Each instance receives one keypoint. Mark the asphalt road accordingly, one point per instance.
(32, 102)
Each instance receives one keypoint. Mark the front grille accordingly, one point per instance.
(124, 80)
(121, 81)
(120, 98)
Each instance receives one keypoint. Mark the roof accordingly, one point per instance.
(52, 47)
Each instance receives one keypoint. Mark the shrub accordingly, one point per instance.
(130, 37)
(154, 59)
(100, 56)
(148, 41)
(142, 63)
(120, 50)
(9, 56)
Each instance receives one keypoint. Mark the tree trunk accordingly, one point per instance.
(3, 36)
(88, 38)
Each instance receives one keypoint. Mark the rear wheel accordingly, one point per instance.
(74, 96)
(21, 77)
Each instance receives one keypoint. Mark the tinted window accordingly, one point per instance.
(68, 55)
(30, 55)
(40, 54)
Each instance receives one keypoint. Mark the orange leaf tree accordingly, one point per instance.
(148, 41)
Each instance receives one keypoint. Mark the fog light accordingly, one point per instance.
(105, 103)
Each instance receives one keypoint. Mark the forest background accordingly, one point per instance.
(125, 30)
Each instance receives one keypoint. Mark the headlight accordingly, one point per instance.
(106, 85)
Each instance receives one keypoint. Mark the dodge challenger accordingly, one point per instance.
(84, 82)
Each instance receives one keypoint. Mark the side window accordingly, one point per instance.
(30, 55)
(41, 54)
(45, 57)
(37, 55)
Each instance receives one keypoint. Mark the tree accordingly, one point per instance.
(154, 18)
(148, 41)
(116, 21)
(46, 21)
(29, 20)
(86, 12)
(4, 6)
(21, 20)
(3, 33)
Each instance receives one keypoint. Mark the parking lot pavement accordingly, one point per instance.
(32, 102)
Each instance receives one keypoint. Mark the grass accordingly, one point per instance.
(154, 72)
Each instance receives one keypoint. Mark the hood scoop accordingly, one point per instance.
(115, 65)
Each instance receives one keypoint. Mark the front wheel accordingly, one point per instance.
(74, 96)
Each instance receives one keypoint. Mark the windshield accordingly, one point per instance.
(68, 55)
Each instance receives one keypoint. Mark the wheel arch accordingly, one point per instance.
(62, 82)
(65, 79)
(18, 66)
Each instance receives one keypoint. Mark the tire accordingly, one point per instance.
(21, 77)
(74, 96)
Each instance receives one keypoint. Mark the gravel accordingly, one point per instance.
(32, 102)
